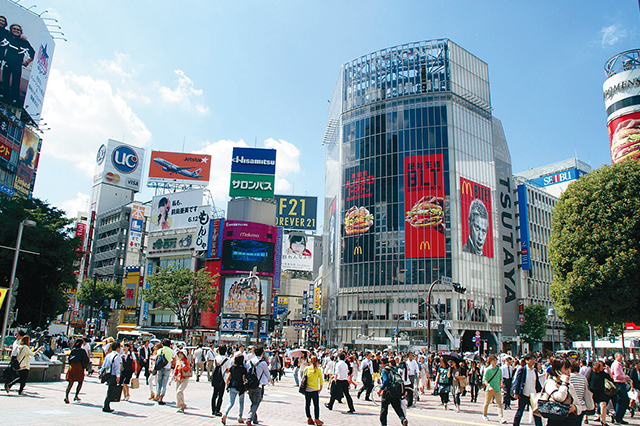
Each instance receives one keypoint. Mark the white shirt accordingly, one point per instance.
(342, 370)
(198, 355)
(225, 365)
(210, 355)
(14, 347)
(412, 367)
(507, 371)
(530, 383)
(366, 363)
(584, 370)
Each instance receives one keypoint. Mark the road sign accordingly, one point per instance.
(395, 330)
(478, 343)
(445, 280)
(478, 333)
(100, 314)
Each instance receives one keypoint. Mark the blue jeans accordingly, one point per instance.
(295, 376)
(623, 401)
(255, 396)
(233, 393)
(162, 378)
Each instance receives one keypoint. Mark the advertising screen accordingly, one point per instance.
(525, 249)
(27, 48)
(358, 219)
(131, 282)
(624, 137)
(241, 296)
(246, 245)
(119, 164)
(214, 249)
(209, 319)
(254, 160)
(475, 215)
(296, 212)
(424, 228)
(176, 210)
(179, 167)
(297, 252)
(27, 162)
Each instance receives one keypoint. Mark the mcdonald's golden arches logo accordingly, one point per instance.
(466, 187)
(425, 245)
(357, 250)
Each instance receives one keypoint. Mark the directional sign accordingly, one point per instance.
(395, 330)
(445, 280)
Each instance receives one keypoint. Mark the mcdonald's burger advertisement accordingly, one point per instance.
(475, 210)
(624, 137)
(424, 226)
(358, 219)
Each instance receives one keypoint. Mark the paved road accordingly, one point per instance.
(282, 406)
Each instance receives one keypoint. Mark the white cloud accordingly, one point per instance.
(287, 158)
(115, 67)
(183, 93)
(612, 35)
(83, 113)
(78, 204)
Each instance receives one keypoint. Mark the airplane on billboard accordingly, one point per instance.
(171, 168)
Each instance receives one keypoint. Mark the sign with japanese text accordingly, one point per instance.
(359, 185)
(358, 214)
(475, 215)
(424, 228)
(171, 243)
(214, 250)
(251, 185)
(131, 281)
(176, 210)
(202, 230)
(297, 252)
(235, 324)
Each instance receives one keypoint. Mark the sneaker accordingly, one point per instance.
(327, 406)
(405, 422)
(503, 420)
(485, 418)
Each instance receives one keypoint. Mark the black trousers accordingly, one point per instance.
(19, 377)
(367, 385)
(523, 401)
(144, 365)
(506, 394)
(216, 399)
(384, 408)
(342, 388)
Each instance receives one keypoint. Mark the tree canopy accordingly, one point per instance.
(180, 290)
(534, 326)
(595, 247)
(104, 290)
(44, 278)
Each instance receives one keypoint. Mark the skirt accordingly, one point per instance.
(75, 373)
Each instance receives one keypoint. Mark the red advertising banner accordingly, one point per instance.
(424, 228)
(178, 167)
(624, 137)
(5, 150)
(477, 233)
(209, 319)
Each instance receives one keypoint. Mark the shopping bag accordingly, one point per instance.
(135, 383)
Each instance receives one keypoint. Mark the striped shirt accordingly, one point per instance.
(579, 383)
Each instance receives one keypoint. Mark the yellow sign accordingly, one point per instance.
(3, 292)
(317, 300)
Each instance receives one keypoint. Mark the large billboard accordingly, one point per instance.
(241, 296)
(358, 219)
(27, 48)
(136, 227)
(246, 245)
(475, 215)
(424, 228)
(251, 185)
(558, 178)
(179, 167)
(624, 137)
(294, 212)
(297, 252)
(176, 210)
(523, 215)
(253, 172)
(209, 319)
(119, 164)
(27, 163)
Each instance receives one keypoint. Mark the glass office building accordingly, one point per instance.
(418, 186)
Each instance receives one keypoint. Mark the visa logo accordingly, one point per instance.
(133, 182)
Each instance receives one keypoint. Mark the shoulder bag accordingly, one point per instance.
(610, 388)
(303, 383)
(553, 410)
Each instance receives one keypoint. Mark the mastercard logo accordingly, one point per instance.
(112, 177)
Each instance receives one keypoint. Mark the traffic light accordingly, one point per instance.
(612, 337)
(440, 330)
(457, 287)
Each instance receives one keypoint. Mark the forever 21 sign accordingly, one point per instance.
(294, 212)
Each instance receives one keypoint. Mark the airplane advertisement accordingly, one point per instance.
(179, 167)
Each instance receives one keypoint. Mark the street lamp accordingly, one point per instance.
(457, 287)
(552, 316)
(29, 224)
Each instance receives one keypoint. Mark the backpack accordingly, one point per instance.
(251, 380)
(161, 361)
(217, 378)
(395, 387)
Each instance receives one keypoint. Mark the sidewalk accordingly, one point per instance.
(282, 406)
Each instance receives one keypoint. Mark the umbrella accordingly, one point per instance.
(297, 353)
(154, 341)
(472, 357)
(452, 356)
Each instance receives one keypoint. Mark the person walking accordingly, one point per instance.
(579, 382)
(367, 377)
(144, 353)
(491, 380)
(111, 368)
(475, 380)
(596, 386)
(313, 372)
(525, 384)
(459, 378)
(620, 379)
(152, 379)
(443, 379)
(181, 374)
(164, 353)
(128, 358)
(341, 378)
(259, 365)
(507, 379)
(219, 377)
(199, 360)
(23, 355)
(78, 361)
(390, 391)
(235, 387)
(559, 388)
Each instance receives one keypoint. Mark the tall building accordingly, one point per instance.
(418, 187)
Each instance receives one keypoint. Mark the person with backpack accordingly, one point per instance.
(235, 387)
(221, 365)
(391, 391)
(341, 378)
(256, 379)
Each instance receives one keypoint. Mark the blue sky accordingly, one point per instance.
(212, 75)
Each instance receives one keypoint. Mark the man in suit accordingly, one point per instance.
(525, 384)
(144, 353)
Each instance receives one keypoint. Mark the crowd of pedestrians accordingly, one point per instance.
(604, 389)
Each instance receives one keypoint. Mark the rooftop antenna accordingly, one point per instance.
(184, 139)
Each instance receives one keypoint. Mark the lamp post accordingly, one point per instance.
(552, 316)
(29, 224)
(456, 287)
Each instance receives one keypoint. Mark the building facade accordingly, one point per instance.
(418, 186)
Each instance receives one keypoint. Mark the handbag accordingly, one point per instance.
(533, 402)
(303, 383)
(553, 410)
(161, 361)
(135, 383)
(610, 388)
(15, 364)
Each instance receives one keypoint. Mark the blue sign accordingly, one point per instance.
(235, 324)
(254, 160)
(525, 250)
(124, 159)
(565, 176)
(278, 266)
(10, 192)
(395, 330)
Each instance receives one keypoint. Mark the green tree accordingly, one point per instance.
(595, 247)
(181, 290)
(104, 290)
(534, 326)
(44, 278)
(576, 331)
